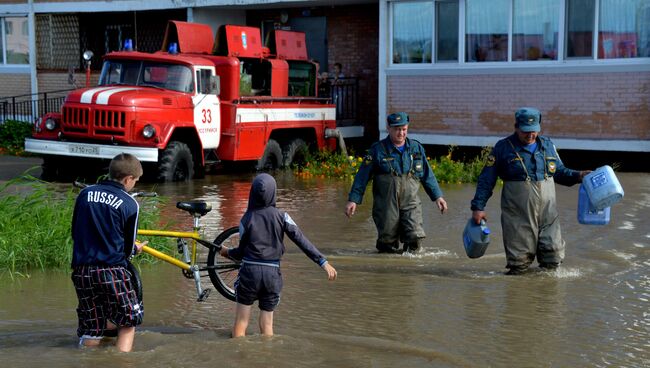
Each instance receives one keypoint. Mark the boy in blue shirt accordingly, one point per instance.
(104, 226)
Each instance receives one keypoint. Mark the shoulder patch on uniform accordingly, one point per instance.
(552, 167)
(490, 160)
(367, 159)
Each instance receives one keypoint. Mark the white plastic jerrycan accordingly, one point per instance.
(588, 215)
(602, 187)
(476, 238)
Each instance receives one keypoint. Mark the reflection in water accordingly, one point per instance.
(435, 308)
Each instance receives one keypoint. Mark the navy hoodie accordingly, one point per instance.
(263, 226)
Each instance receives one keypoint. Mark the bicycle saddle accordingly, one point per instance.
(195, 207)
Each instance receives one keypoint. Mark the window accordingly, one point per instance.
(580, 28)
(203, 81)
(535, 29)
(447, 31)
(16, 44)
(623, 29)
(486, 30)
(516, 31)
(145, 73)
(412, 32)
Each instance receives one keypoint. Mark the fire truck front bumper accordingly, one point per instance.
(99, 151)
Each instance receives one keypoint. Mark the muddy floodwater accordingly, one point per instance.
(436, 308)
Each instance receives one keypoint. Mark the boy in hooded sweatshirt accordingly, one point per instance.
(261, 232)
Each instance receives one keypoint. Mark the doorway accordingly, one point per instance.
(315, 29)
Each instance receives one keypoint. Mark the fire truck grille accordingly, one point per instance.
(104, 122)
(109, 122)
(75, 120)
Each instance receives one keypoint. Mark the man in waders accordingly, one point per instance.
(397, 165)
(529, 166)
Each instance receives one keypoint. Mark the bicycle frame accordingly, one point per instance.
(188, 263)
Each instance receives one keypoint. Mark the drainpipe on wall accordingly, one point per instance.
(31, 24)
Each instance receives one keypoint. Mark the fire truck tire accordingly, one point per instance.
(54, 169)
(49, 169)
(272, 157)
(295, 152)
(175, 163)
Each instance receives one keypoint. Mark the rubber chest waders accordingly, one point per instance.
(530, 220)
(396, 210)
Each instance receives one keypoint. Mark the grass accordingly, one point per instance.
(35, 219)
(447, 169)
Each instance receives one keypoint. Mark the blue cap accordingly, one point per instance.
(528, 119)
(397, 119)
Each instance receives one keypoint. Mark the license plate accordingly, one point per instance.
(83, 150)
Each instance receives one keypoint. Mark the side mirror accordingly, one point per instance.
(215, 85)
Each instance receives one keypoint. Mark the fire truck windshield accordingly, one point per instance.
(148, 74)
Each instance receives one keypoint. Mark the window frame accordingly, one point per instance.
(6, 67)
(562, 60)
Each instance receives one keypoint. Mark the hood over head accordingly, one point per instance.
(262, 192)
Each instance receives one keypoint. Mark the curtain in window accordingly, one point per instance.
(580, 28)
(535, 29)
(623, 29)
(447, 30)
(17, 42)
(412, 32)
(486, 30)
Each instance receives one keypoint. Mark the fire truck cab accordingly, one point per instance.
(193, 103)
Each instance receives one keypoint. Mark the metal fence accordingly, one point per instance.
(29, 107)
(344, 95)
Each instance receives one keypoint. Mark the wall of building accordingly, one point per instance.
(218, 17)
(15, 84)
(352, 38)
(578, 105)
(56, 81)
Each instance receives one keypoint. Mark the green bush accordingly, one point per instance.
(446, 169)
(12, 136)
(449, 170)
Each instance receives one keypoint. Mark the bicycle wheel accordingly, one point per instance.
(224, 271)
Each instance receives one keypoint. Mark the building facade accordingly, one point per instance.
(43, 41)
(462, 67)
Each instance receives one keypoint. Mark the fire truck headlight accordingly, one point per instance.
(148, 131)
(50, 124)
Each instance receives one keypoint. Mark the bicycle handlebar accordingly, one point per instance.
(144, 194)
(81, 185)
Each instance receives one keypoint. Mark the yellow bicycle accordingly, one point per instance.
(221, 271)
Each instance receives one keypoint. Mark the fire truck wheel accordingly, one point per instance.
(53, 169)
(272, 157)
(175, 163)
(295, 153)
(49, 169)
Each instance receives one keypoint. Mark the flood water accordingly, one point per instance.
(437, 308)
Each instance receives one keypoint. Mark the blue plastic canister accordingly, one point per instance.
(587, 215)
(476, 238)
(602, 187)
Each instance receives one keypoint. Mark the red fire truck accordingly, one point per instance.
(196, 102)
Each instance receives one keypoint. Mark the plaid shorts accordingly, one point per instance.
(105, 294)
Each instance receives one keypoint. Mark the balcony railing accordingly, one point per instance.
(343, 93)
(29, 107)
